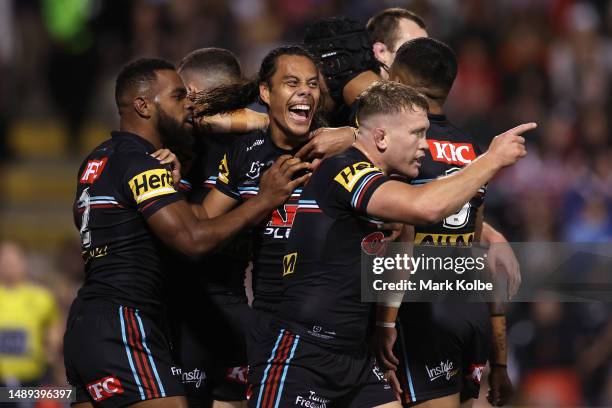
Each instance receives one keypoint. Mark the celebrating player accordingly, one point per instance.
(316, 347)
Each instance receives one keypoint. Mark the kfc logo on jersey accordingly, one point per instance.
(93, 170)
(237, 374)
(105, 388)
(451, 153)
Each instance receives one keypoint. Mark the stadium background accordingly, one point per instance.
(547, 61)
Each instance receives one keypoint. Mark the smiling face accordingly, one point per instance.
(292, 95)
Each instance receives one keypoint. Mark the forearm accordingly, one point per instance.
(499, 350)
(238, 121)
(386, 313)
(447, 195)
(209, 234)
(490, 235)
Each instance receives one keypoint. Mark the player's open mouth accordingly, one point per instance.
(300, 112)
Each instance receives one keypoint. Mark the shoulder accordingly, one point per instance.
(250, 142)
(347, 168)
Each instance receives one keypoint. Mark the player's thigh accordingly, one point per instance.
(449, 401)
(394, 404)
(229, 404)
(467, 404)
(167, 402)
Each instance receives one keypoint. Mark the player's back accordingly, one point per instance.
(120, 185)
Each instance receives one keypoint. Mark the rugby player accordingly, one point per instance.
(115, 349)
(316, 346)
(288, 85)
(455, 337)
(218, 355)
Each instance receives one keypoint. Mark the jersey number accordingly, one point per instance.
(84, 230)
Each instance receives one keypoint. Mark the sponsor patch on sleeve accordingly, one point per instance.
(224, 170)
(151, 183)
(92, 171)
(350, 175)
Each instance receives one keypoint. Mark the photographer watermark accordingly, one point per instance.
(425, 273)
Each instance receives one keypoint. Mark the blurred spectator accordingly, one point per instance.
(30, 328)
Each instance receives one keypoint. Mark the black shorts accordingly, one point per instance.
(287, 371)
(211, 343)
(443, 349)
(116, 356)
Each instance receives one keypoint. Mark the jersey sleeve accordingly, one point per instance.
(354, 183)
(148, 185)
(229, 174)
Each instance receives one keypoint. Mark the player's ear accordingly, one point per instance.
(379, 50)
(264, 93)
(380, 138)
(142, 107)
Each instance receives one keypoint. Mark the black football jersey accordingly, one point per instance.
(238, 178)
(119, 186)
(449, 150)
(322, 265)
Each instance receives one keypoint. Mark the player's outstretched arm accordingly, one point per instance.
(178, 227)
(238, 121)
(429, 203)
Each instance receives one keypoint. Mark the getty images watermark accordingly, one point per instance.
(426, 273)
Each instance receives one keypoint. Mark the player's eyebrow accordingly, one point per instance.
(286, 77)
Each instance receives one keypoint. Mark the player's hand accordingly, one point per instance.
(503, 261)
(394, 383)
(395, 228)
(165, 156)
(509, 147)
(500, 387)
(384, 339)
(326, 142)
(281, 179)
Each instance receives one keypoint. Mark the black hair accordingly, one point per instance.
(431, 62)
(382, 27)
(137, 73)
(228, 98)
(212, 61)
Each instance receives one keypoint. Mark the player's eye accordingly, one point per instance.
(313, 84)
(292, 83)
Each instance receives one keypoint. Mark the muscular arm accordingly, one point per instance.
(431, 202)
(238, 121)
(178, 227)
(216, 203)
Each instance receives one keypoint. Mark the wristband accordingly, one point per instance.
(388, 325)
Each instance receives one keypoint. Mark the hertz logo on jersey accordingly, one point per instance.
(289, 262)
(151, 183)
(224, 170)
(444, 239)
(349, 176)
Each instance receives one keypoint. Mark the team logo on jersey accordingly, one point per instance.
(289, 262)
(451, 153)
(255, 169)
(283, 216)
(444, 239)
(92, 171)
(373, 244)
(237, 374)
(475, 372)
(224, 170)
(151, 183)
(105, 388)
(350, 175)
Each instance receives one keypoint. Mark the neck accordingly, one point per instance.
(435, 107)
(142, 130)
(370, 151)
(280, 138)
(357, 85)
